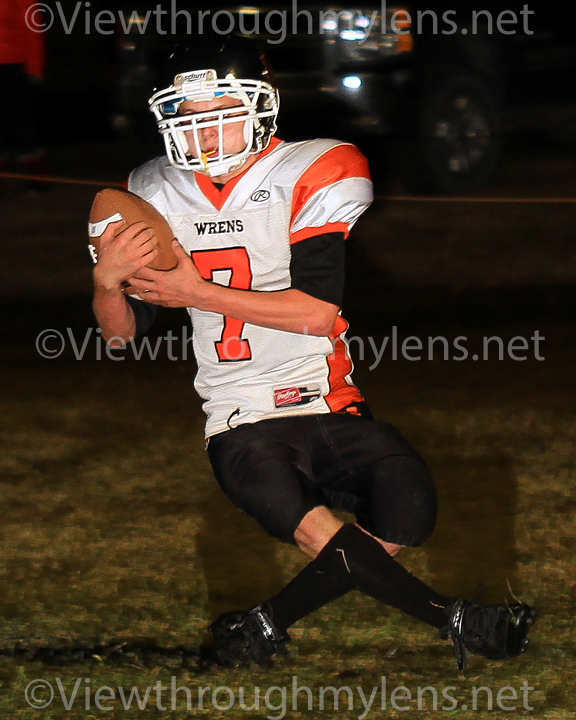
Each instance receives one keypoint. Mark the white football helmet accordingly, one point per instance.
(231, 67)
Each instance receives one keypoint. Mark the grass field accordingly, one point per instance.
(118, 549)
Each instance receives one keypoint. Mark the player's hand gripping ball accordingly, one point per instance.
(112, 205)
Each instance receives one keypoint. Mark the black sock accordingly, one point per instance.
(377, 574)
(354, 560)
(322, 581)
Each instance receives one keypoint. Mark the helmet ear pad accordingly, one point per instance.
(248, 131)
(182, 140)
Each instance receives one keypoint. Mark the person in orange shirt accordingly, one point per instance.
(22, 64)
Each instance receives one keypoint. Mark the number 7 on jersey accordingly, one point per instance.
(230, 347)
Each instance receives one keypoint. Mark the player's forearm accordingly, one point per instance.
(291, 310)
(115, 317)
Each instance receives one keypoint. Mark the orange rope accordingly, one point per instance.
(416, 198)
(390, 198)
(70, 181)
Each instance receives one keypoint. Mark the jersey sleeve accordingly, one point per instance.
(317, 267)
(331, 194)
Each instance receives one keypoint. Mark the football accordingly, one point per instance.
(111, 205)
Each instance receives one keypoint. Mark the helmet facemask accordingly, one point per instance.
(259, 107)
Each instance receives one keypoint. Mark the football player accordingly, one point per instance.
(261, 227)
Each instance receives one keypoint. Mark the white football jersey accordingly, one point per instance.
(240, 236)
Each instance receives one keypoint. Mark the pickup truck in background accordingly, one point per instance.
(428, 89)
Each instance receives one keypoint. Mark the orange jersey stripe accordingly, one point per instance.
(338, 163)
(341, 392)
(305, 233)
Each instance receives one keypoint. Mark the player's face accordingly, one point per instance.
(232, 133)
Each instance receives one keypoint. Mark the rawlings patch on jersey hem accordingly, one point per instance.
(288, 397)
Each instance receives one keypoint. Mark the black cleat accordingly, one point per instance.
(247, 637)
(495, 631)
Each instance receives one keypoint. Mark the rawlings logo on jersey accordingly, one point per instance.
(217, 228)
(287, 397)
(260, 196)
